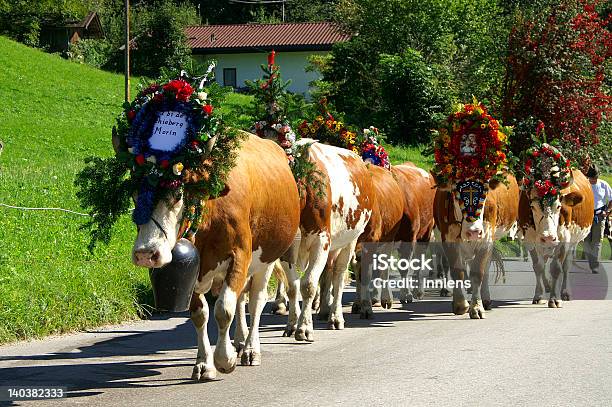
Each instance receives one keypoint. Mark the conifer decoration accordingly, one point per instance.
(268, 92)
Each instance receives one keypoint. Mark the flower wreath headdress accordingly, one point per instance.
(163, 140)
(545, 170)
(470, 149)
(372, 151)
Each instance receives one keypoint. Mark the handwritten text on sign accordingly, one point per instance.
(169, 131)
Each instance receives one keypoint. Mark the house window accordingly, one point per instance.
(229, 77)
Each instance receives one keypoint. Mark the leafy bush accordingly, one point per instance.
(413, 99)
(463, 42)
(557, 74)
(161, 40)
(91, 52)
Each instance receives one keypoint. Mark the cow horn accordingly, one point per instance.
(116, 141)
(210, 144)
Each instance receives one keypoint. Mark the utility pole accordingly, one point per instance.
(127, 50)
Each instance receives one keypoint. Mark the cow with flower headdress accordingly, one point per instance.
(555, 214)
(230, 193)
(476, 200)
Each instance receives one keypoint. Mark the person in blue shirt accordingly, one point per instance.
(602, 193)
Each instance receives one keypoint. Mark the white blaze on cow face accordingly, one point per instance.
(153, 246)
(545, 219)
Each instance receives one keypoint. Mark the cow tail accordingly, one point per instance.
(498, 261)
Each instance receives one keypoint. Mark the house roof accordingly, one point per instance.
(258, 37)
(91, 22)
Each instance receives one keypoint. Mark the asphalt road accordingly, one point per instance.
(416, 354)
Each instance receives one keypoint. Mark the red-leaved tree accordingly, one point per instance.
(556, 73)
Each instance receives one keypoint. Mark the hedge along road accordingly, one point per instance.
(418, 353)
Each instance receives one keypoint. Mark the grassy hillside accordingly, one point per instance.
(54, 113)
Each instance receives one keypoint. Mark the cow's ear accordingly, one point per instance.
(493, 184)
(572, 199)
(439, 186)
(225, 191)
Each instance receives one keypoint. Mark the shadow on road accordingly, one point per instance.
(131, 358)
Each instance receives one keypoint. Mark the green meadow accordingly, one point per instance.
(54, 113)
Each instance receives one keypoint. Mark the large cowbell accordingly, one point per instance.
(471, 195)
(173, 283)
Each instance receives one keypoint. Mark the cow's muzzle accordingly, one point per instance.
(147, 258)
(548, 239)
(473, 234)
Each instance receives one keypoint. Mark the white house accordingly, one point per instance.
(240, 49)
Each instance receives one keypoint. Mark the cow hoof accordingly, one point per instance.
(239, 346)
(460, 308)
(418, 294)
(202, 373)
(279, 308)
(250, 358)
(565, 296)
(335, 323)
(304, 335)
(444, 292)
(366, 311)
(375, 302)
(537, 300)
(356, 308)
(477, 311)
(226, 365)
(554, 303)
(289, 331)
(386, 304)
(487, 304)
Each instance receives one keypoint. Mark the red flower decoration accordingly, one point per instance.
(271, 57)
(164, 164)
(131, 114)
(208, 109)
(180, 88)
(539, 128)
(140, 159)
(151, 89)
(184, 93)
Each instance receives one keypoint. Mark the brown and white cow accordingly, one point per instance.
(472, 240)
(403, 202)
(242, 235)
(330, 226)
(418, 187)
(553, 232)
(387, 210)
